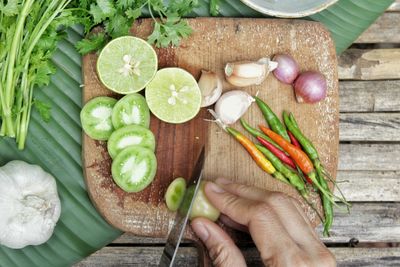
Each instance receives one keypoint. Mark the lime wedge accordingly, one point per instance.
(126, 64)
(173, 95)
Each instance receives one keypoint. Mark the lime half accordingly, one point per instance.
(173, 95)
(126, 64)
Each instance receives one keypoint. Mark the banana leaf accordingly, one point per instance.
(56, 146)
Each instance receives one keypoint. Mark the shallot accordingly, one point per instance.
(287, 70)
(310, 87)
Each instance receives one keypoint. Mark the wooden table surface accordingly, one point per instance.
(369, 159)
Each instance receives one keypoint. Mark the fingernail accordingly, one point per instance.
(223, 181)
(200, 231)
(215, 188)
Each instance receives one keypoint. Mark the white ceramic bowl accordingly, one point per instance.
(289, 8)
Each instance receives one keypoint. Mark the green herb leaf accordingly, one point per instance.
(44, 109)
(92, 43)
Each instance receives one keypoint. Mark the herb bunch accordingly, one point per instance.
(117, 18)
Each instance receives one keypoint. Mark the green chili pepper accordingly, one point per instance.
(256, 133)
(293, 178)
(273, 121)
(312, 152)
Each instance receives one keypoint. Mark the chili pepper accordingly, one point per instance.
(309, 148)
(272, 119)
(256, 133)
(258, 157)
(279, 154)
(293, 140)
(297, 155)
(300, 158)
(294, 179)
(297, 144)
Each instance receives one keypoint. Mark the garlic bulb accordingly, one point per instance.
(232, 105)
(29, 205)
(246, 73)
(210, 86)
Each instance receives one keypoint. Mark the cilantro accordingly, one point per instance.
(43, 109)
(214, 7)
(118, 16)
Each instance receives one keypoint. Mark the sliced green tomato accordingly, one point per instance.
(173, 95)
(127, 64)
(202, 206)
(175, 193)
(96, 117)
(128, 136)
(131, 109)
(134, 168)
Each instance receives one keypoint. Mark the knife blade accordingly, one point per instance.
(182, 216)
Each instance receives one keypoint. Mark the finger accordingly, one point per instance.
(222, 250)
(232, 224)
(264, 225)
(296, 224)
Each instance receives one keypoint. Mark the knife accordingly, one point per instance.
(182, 216)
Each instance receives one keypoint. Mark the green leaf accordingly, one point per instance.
(133, 13)
(11, 8)
(56, 146)
(43, 109)
(92, 43)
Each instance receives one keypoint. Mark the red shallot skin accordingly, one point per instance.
(310, 87)
(287, 70)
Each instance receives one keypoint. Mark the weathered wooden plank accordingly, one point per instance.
(395, 6)
(369, 127)
(369, 96)
(369, 185)
(375, 64)
(367, 222)
(372, 157)
(149, 256)
(384, 30)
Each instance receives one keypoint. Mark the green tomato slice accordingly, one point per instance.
(134, 168)
(175, 193)
(128, 136)
(96, 117)
(131, 110)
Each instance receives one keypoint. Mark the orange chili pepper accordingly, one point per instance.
(301, 158)
(256, 154)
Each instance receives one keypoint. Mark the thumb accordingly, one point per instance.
(222, 250)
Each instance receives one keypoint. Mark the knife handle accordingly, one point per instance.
(204, 257)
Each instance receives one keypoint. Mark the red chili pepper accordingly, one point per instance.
(293, 140)
(278, 153)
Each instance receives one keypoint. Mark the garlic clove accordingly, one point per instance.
(246, 73)
(211, 88)
(232, 105)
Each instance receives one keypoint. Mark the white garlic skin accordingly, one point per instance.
(247, 73)
(211, 88)
(232, 105)
(29, 205)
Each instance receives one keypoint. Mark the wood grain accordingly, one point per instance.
(213, 43)
(369, 96)
(367, 222)
(385, 30)
(370, 127)
(369, 157)
(149, 256)
(375, 64)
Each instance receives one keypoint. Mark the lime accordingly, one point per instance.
(126, 64)
(173, 95)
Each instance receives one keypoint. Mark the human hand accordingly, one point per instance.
(276, 222)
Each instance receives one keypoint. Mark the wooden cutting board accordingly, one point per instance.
(214, 42)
